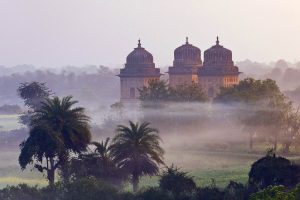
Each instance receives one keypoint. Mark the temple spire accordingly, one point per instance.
(139, 44)
(187, 40)
(217, 42)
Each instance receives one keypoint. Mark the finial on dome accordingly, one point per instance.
(139, 44)
(217, 42)
(187, 40)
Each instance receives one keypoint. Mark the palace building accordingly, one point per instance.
(138, 70)
(186, 64)
(217, 70)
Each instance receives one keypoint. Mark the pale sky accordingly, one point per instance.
(53, 33)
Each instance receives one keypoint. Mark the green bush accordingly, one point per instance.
(273, 193)
(20, 192)
(235, 191)
(155, 194)
(176, 181)
(90, 189)
(209, 193)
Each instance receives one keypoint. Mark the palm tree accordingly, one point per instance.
(137, 149)
(67, 127)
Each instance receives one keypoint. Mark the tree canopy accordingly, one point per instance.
(160, 91)
(137, 149)
(56, 129)
(273, 170)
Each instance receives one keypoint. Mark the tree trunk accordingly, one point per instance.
(135, 182)
(64, 166)
(51, 173)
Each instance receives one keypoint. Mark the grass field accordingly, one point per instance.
(205, 161)
(222, 167)
(9, 122)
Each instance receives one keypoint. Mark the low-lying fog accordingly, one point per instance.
(195, 136)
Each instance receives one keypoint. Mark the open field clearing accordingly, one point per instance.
(9, 122)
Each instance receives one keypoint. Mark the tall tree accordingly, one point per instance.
(66, 128)
(137, 149)
(267, 107)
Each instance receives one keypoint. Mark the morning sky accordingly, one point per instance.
(50, 33)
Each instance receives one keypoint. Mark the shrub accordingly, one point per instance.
(20, 192)
(235, 191)
(273, 193)
(209, 193)
(273, 170)
(155, 194)
(176, 181)
(90, 189)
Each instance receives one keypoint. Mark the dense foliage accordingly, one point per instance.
(137, 150)
(176, 181)
(250, 90)
(56, 130)
(158, 92)
(273, 170)
(99, 164)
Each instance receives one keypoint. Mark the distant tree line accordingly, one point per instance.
(85, 84)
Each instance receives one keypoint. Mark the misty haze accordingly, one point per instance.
(145, 100)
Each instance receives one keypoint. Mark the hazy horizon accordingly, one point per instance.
(65, 32)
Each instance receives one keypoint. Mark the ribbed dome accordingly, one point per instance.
(217, 55)
(139, 57)
(187, 55)
(139, 63)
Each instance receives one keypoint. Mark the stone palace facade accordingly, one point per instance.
(216, 71)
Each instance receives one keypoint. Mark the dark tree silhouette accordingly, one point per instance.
(99, 164)
(176, 181)
(273, 170)
(137, 149)
(56, 130)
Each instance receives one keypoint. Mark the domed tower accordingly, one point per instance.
(187, 61)
(218, 70)
(139, 69)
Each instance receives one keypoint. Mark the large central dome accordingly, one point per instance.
(139, 57)
(187, 55)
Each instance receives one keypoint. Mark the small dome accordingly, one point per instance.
(217, 55)
(139, 57)
(187, 55)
